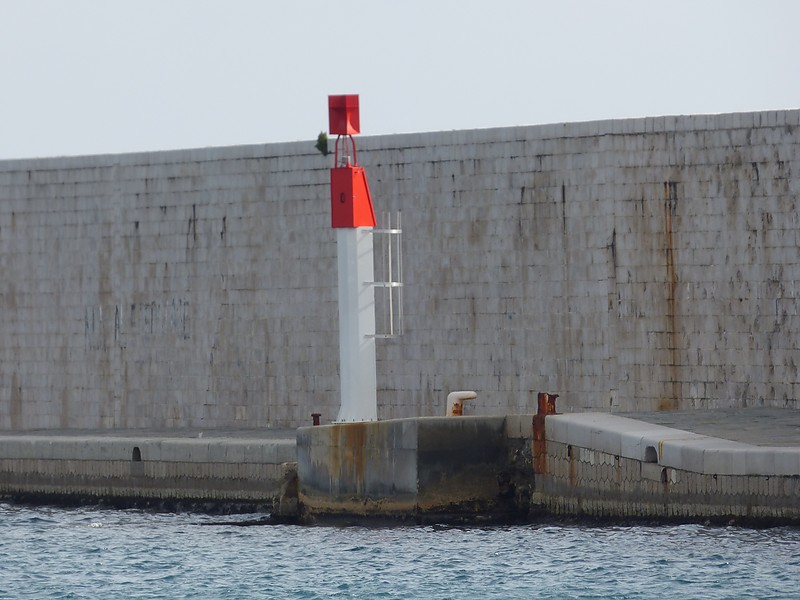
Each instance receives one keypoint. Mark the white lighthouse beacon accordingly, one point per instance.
(353, 217)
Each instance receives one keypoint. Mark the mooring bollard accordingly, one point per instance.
(315, 417)
(455, 402)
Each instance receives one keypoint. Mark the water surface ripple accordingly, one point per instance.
(111, 554)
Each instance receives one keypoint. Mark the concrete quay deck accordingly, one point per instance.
(740, 465)
(756, 426)
(727, 465)
(184, 433)
(682, 448)
(210, 469)
(580, 465)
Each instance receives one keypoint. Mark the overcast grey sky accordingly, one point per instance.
(107, 76)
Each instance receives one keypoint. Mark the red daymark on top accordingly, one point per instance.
(343, 118)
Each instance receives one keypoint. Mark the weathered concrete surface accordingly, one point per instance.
(595, 465)
(143, 468)
(757, 426)
(632, 265)
(423, 469)
(605, 466)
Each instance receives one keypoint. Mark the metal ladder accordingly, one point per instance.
(390, 272)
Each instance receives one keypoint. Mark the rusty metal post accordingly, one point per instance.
(546, 406)
(315, 417)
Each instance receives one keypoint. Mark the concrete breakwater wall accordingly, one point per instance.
(427, 469)
(604, 466)
(584, 465)
(148, 470)
(424, 469)
(637, 264)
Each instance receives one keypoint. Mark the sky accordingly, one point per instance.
(110, 76)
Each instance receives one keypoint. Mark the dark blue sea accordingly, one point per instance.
(114, 554)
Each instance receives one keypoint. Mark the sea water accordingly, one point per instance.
(112, 554)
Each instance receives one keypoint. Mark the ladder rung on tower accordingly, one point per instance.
(389, 272)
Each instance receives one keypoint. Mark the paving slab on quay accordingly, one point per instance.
(757, 426)
(213, 446)
(237, 434)
(212, 469)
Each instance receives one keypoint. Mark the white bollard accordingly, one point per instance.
(455, 406)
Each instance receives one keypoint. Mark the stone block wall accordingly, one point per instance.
(586, 482)
(605, 466)
(138, 470)
(168, 290)
(636, 264)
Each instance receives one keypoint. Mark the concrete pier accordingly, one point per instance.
(587, 466)
(607, 466)
(633, 265)
(206, 470)
(735, 465)
(423, 469)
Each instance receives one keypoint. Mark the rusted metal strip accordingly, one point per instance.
(546, 406)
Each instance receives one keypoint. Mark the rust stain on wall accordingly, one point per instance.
(353, 437)
(670, 211)
(16, 403)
